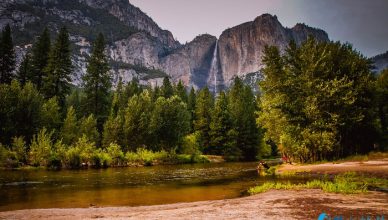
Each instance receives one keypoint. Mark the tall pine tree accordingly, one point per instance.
(59, 69)
(203, 107)
(7, 56)
(39, 59)
(166, 90)
(24, 70)
(97, 83)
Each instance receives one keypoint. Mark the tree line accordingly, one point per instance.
(317, 101)
(46, 121)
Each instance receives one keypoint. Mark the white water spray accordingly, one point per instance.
(214, 67)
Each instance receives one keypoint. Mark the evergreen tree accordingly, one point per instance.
(24, 70)
(180, 91)
(166, 90)
(113, 130)
(382, 104)
(59, 69)
(51, 116)
(315, 100)
(7, 56)
(242, 108)
(39, 59)
(169, 123)
(70, 131)
(203, 107)
(191, 107)
(220, 125)
(88, 128)
(136, 121)
(97, 83)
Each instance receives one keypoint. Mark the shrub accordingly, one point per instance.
(41, 148)
(19, 147)
(116, 155)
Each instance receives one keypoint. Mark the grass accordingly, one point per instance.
(347, 183)
(148, 158)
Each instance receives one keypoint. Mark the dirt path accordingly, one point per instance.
(304, 204)
(374, 167)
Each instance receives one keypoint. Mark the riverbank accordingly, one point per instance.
(275, 204)
(378, 168)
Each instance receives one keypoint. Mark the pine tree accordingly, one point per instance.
(169, 123)
(24, 70)
(220, 125)
(59, 69)
(166, 90)
(242, 108)
(88, 128)
(7, 56)
(180, 91)
(191, 107)
(70, 131)
(51, 116)
(113, 130)
(203, 107)
(97, 83)
(39, 58)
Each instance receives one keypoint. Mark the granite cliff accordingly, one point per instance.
(138, 47)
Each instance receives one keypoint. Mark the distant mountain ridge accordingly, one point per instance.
(139, 48)
(380, 62)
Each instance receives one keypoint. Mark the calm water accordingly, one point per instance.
(125, 186)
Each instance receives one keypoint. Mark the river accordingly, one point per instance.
(30, 189)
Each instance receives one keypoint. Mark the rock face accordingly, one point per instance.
(380, 62)
(241, 47)
(138, 47)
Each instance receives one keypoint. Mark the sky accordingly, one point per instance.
(363, 23)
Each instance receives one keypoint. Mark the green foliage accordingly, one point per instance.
(88, 128)
(39, 60)
(97, 83)
(25, 69)
(190, 144)
(146, 157)
(7, 56)
(51, 116)
(136, 120)
(315, 100)
(113, 130)
(180, 91)
(382, 107)
(166, 90)
(220, 125)
(116, 155)
(203, 106)
(69, 131)
(169, 122)
(19, 147)
(343, 183)
(20, 111)
(242, 108)
(59, 68)
(41, 148)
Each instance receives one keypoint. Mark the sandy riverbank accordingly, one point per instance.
(304, 204)
(275, 204)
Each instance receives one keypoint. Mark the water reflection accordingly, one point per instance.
(26, 189)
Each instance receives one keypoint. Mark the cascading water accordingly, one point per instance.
(214, 68)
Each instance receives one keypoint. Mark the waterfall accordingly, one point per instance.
(214, 67)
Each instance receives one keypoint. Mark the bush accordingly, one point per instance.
(41, 148)
(116, 155)
(146, 157)
(19, 147)
(100, 159)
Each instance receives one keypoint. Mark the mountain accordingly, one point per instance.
(380, 62)
(139, 48)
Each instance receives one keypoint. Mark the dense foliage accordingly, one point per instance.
(46, 122)
(318, 101)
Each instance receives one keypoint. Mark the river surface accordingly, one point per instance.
(30, 189)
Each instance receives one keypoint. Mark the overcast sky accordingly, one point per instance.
(363, 23)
